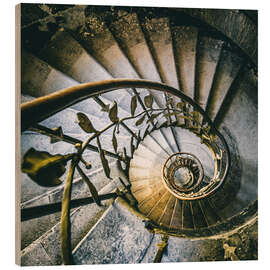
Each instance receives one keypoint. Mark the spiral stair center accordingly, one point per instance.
(182, 172)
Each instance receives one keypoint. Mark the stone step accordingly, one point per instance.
(123, 228)
(207, 57)
(177, 217)
(82, 219)
(158, 35)
(34, 228)
(158, 143)
(167, 214)
(97, 39)
(39, 79)
(185, 42)
(66, 54)
(199, 220)
(188, 222)
(126, 29)
(202, 249)
(227, 70)
(168, 134)
(239, 128)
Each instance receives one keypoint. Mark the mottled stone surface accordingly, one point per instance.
(185, 42)
(227, 70)
(82, 218)
(34, 12)
(241, 244)
(35, 228)
(240, 119)
(158, 35)
(36, 256)
(234, 25)
(119, 237)
(127, 31)
(38, 78)
(186, 250)
(152, 249)
(207, 57)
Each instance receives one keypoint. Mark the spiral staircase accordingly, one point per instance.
(174, 178)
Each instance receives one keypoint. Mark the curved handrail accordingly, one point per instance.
(39, 109)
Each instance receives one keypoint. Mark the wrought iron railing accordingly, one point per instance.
(177, 111)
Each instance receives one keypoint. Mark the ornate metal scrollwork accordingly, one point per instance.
(183, 172)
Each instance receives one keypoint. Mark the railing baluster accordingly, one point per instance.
(161, 248)
(65, 224)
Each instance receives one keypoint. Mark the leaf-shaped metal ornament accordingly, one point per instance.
(106, 108)
(113, 113)
(180, 106)
(114, 142)
(140, 121)
(44, 168)
(85, 123)
(148, 100)
(104, 161)
(196, 116)
(87, 165)
(59, 133)
(133, 105)
(206, 129)
(167, 115)
(153, 116)
(212, 137)
(178, 115)
(92, 188)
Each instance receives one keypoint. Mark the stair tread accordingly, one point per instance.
(208, 52)
(114, 223)
(158, 209)
(158, 34)
(104, 48)
(165, 218)
(144, 192)
(39, 226)
(177, 218)
(228, 67)
(146, 205)
(210, 214)
(39, 79)
(198, 215)
(127, 31)
(83, 218)
(185, 41)
(187, 216)
(67, 55)
(168, 134)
